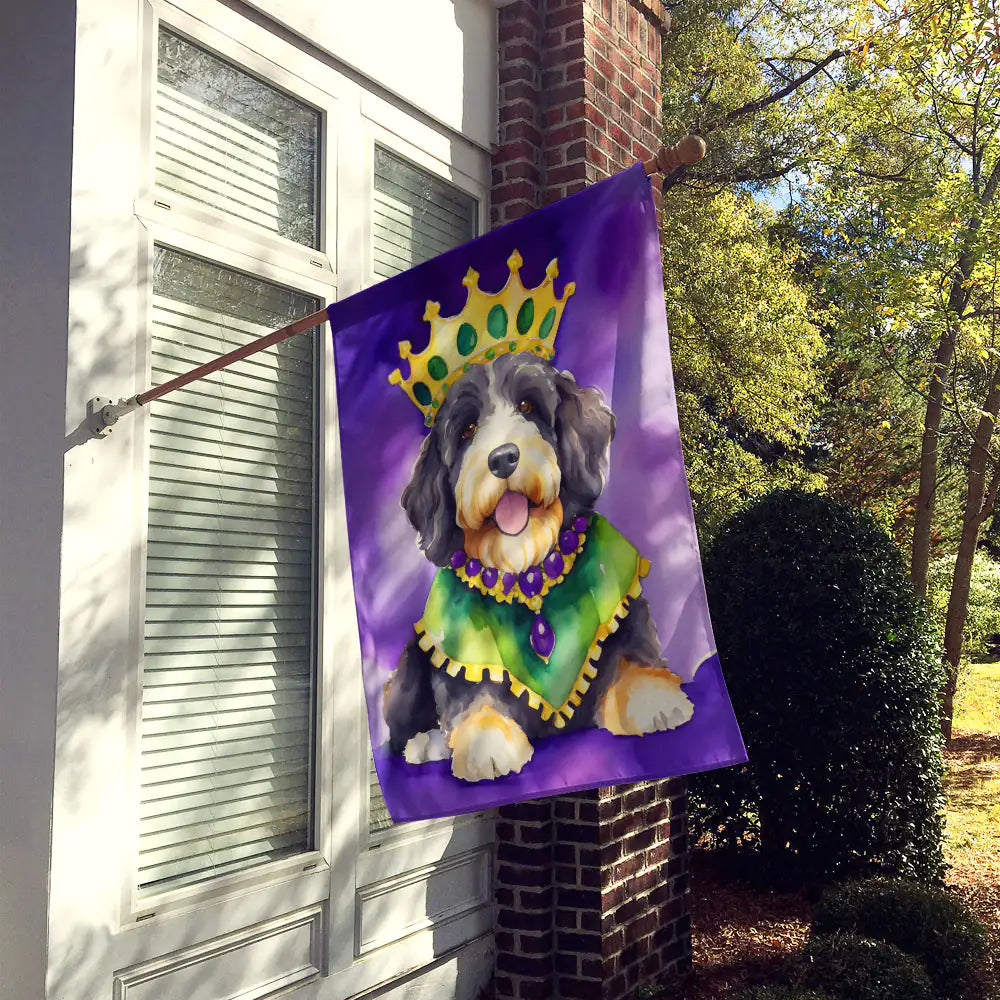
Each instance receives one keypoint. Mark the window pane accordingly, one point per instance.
(227, 684)
(417, 217)
(234, 143)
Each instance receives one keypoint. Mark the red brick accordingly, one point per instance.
(536, 899)
(597, 158)
(572, 12)
(517, 110)
(565, 174)
(510, 152)
(528, 171)
(540, 944)
(605, 67)
(620, 136)
(516, 71)
(581, 989)
(565, 54)
(511, 919)
(571, 91)
(535, 966)
(595, 117)
(520, 50)
(556, 77)
(520, 90)
(579, 942)
(522, 129)
(567, 133)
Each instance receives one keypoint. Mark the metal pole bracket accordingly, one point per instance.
(103, 413)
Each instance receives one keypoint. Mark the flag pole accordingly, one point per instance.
(103, 414)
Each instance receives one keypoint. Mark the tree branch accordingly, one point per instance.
(753, 107)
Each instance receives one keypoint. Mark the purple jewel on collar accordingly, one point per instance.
(472, 567)
(457, 559)
(489, 577)
(580, 523)
(568, 542)
(553, 565)
(509, 579)
(531, 581)
(543, 639)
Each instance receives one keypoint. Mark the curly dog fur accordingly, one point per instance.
(518, 451)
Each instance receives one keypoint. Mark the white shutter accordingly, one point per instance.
(232, 143)
(416, 217)
(227, 680)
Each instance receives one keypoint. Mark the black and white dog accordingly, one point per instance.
(518, 451)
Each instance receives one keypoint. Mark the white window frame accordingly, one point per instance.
(348, 865)
(182, 225)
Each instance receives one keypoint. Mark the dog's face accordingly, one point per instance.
(517, 449)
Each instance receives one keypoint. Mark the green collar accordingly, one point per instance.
(472, 630)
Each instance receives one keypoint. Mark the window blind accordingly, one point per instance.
(227, 678)
(234, 144)
(416, 217)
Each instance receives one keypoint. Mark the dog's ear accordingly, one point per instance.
(430, 504)
(585, 426)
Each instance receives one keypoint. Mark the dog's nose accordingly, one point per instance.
(503, 460)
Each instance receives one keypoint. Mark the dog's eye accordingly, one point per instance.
(469, 430)
(526, 406)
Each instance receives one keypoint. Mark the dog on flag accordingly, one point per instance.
(535, 623)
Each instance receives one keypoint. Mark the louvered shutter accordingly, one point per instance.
(234, 144)
(227, 679)
(417, 216)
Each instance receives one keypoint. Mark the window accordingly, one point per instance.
(230, 142)
(229, 675)
(416, 217)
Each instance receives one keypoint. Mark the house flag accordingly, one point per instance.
(527, 581)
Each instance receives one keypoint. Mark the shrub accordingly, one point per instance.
(848, 967)
(781, 993)
(924, 922)
(834, 674)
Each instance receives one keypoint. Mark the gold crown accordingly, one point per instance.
(514, 319)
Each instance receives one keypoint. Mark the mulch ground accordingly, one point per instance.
(742, 936)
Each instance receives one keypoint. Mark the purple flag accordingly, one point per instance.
(528, 587)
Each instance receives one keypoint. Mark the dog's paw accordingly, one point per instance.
(426, 746)
(486, 744)
(643, 700)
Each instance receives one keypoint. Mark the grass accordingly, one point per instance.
(972, 785)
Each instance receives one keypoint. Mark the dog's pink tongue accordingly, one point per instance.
(511, 514)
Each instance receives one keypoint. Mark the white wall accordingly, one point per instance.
(36, 120)
(416, 49)
(71, 317)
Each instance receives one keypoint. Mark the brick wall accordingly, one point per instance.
(591, 889)
(591, 893)
(579, 96)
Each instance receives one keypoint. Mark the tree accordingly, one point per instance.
(746, 343)
(909, 197)
(746, 352)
